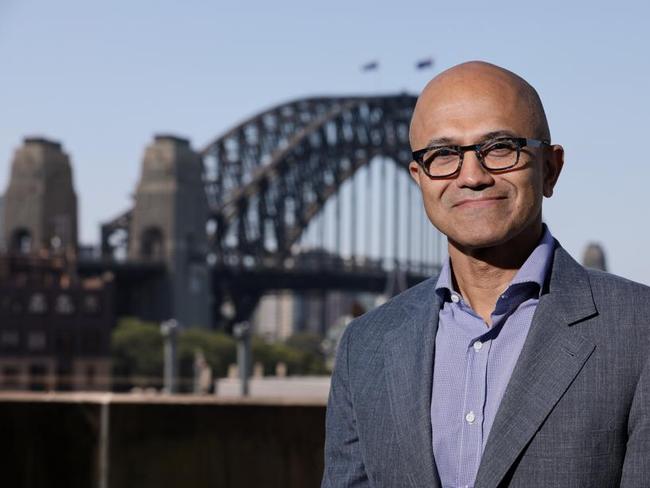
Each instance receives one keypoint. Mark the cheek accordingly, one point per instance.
(529, 195)
(438, 213)
(433, 200)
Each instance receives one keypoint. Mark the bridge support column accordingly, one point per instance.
(40, 204)
(169, 225)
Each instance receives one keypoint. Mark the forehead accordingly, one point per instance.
(464, 110)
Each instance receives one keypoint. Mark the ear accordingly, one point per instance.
(552, 167)
(414, 171)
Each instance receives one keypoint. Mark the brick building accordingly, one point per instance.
(54, 328)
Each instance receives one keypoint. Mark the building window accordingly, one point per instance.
(36, 341)
(91, 304)
(64, 305)
(37, 304)
(153, 244)
(9, 339)
(21, 241)
(196, 278)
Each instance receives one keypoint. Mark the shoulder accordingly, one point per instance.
(615, 294)
(603, 282)
(615, 290)
(608, 290)
(368, 330)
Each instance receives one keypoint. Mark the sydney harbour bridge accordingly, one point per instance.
(313, 194)
(310, 194)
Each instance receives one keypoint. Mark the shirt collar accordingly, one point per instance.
(533, 271)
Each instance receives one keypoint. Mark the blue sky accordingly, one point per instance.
(104, 77)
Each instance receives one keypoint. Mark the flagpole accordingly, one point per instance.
(374, 67)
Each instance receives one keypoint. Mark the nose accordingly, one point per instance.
(472, 173)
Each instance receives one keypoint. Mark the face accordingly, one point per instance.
(475, 208)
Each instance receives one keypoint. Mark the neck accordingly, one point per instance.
(481, 275)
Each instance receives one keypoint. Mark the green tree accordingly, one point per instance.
(301, 353)
(308, 342)
(136, 349)
(218, 348)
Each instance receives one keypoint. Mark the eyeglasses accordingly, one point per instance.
(494, 155)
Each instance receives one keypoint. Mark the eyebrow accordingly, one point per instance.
(447, 141)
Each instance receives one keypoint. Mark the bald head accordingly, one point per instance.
(475, 83)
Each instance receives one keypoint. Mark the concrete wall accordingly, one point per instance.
(52, 440)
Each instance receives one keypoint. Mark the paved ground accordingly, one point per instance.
(304, 387)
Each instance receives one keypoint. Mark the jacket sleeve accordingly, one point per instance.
(636, 468)
(343, 461)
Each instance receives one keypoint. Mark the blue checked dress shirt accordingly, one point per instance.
(473, 364)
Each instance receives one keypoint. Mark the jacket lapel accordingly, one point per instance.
(552, 356)
(409, 371)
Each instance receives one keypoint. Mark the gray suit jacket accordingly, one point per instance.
(576, 412)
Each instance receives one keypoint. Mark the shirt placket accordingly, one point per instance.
(471, 443)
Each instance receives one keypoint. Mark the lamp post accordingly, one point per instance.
(242, 332)
(169, 331)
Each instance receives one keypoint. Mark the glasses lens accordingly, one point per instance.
(442, 161)
(501, 154)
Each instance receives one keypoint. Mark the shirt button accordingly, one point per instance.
(478, 345)
(455, 298)
(470, 417)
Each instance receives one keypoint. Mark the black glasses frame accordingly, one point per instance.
(520, 142)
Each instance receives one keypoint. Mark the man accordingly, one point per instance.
(515, 366)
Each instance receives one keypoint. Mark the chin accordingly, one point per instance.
(479, 238)
(485, 235)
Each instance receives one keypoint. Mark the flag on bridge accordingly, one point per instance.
(371, 66)
(424, 63)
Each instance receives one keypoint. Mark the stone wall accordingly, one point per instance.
(120, 441)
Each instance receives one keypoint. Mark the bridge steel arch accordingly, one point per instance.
(269, 176)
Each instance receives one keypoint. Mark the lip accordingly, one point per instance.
(478, 202)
